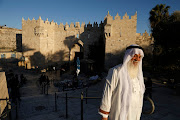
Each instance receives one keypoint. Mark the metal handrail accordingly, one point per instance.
(82, 99)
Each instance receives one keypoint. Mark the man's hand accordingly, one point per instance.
(104, 118)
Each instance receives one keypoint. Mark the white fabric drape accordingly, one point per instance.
(117, 94)
(135, 106)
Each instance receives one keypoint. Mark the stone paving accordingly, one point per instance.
(35, 106)
(167, 105)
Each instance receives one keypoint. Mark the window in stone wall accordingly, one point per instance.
(39, 30)
(13, 55)
(3, 55)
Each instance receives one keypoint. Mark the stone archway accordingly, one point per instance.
(77, 50)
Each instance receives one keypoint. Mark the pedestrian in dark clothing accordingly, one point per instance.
(47, 80)
(40, 79)
(23, 79)
(15, 88)
(44, 78)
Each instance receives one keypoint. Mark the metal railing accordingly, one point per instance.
(53, 104)
(82, 98)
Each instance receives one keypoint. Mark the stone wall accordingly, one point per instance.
(10, 39)
(45, 42)
(4, 91)
(54, 42)
(119, 33)
(9, 54)
(146, 41)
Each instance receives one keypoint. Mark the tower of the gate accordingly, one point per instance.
(119, 33)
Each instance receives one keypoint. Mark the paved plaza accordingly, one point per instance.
(36, 106)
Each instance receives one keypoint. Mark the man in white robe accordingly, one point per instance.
(122, 98)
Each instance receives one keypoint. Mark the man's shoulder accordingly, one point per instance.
(117, 67)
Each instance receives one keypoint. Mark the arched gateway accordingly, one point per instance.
(77, 50)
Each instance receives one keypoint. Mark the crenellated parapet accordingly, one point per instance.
(109, 19)
(126, 16)
(47, 24)
(95, 25)
(39, 22)
(72, 25)
(77, 25)
(123, 27)
(145, 40)
(134, 17)
(117, 17)
(143, 37)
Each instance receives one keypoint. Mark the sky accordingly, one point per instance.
(62, 11)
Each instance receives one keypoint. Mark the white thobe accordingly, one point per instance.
(135, 106)
(117, 95)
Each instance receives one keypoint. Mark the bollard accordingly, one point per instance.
(81, 105)
(44, 88)
(7, 107)
(86, 94)
(47, 89)
(66, 106)
(16, 111)
(55, 103)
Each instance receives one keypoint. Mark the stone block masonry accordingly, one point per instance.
(45, 42)
(4, 91)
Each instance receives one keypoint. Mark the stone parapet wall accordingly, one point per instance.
(4, 91)
(146, 41)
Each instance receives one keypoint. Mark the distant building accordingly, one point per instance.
(10, 43)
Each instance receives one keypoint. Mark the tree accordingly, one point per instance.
(157, 14)
(165, 30)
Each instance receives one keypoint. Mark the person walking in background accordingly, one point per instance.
(78, 66)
